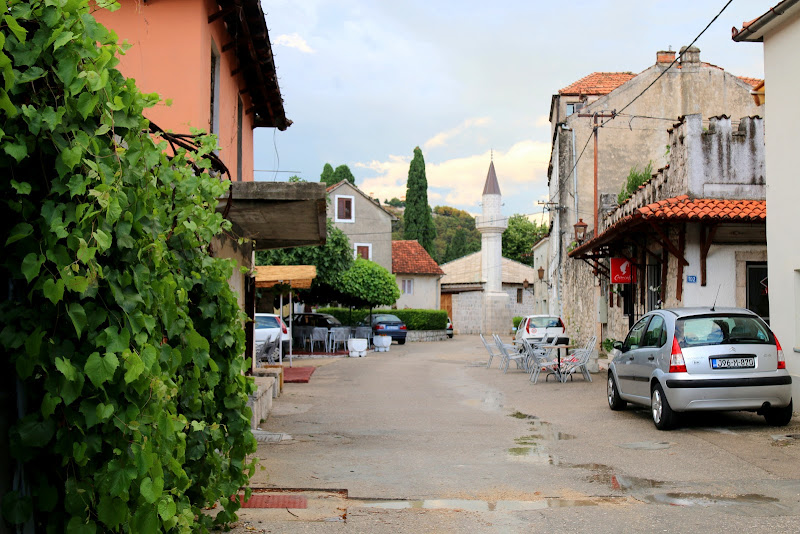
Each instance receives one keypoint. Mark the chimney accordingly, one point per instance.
(665, 56)
(690, 56)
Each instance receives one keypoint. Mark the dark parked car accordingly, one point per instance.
(384, 324)
(315, 319)
(685, 359)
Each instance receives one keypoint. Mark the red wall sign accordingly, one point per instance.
(621, 271)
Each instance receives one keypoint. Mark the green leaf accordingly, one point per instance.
(53, 290)
(86, 103)
(77, 525)
(166, 508)
(71, 156)
(17, 508)
(112, 511)
(34, 432)
(78, 315)
(101, 369)
(22, 188)
(49, 403)
(104, 411)
(66, 368)
(103, 240)
(77, 284)
(134, 367)
(31, 265)
(20, 231)
(18, 31)
(151, 489)
(62, 39)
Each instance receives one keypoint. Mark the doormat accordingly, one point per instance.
(260, 500)
(298, 374)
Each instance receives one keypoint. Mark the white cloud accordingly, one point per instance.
(521, 170)
(293, 40)
(442, 138)
(543, 120)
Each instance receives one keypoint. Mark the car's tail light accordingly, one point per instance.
(528, 327)
(676, 361)
(402, 327)
(283, 326)
(379, 327)
(781, 358)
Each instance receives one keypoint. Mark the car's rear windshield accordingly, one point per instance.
(266, 322)
(546, 322)
(722, 330)
(387, 318)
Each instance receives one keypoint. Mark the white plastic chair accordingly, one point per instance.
(510, 354)
(319, 335)
(579, 361)
(540, 359)
(490, 350)
(339, 336)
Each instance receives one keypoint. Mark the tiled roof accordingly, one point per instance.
(754, 82)
(409, 257)
(597, 83)
(682, 208)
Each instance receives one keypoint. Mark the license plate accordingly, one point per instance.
(391, 327)
(733, 363)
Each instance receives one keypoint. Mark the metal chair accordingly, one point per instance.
(339, 335)
(490, 351)
(540, 359)
(579, 361)
(364, 332)
(266, 351)
(509, 354)
(319, 334)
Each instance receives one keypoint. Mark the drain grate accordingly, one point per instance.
(785, 437)
(269, 437)
(260, 500)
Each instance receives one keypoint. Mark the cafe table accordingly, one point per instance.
(558, 348)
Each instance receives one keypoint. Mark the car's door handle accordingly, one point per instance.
(651, 358)
(630, 359)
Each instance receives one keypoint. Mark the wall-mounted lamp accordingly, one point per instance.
(541, 273)
(580, 230)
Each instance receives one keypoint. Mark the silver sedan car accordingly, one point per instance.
(685, 359)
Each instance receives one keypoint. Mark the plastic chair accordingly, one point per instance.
(364, 332)
(517, 357)
(339, 336)
(540, 359)
(490, 351)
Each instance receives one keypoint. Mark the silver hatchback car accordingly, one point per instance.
(686, 359)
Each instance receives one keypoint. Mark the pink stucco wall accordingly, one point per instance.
(171, 55)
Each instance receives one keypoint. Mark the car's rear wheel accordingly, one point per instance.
(401, 341)
(779, 416)
(615, 402)
(663, 416)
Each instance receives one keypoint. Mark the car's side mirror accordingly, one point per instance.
(617, 345)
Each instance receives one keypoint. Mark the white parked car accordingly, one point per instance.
(268, 326)
(536, 327)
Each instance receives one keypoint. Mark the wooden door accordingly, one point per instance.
(446, 303)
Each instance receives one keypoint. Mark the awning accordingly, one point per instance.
(297, 276)
(277, 214)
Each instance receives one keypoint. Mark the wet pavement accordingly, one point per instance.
(424, 439)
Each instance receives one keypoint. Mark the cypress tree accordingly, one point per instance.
(418, 219)
(342, 172)
(327, 175)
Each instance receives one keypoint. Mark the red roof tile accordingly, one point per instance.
(409, 257)
(754, 82)
(597, 83)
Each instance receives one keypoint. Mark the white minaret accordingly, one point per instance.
(491, 224)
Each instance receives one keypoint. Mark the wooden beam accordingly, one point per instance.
(664, 240)
(681, 248)
(228, 46)
(221, 13)
(705, 244)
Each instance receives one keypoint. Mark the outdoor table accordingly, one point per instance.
(558, 354)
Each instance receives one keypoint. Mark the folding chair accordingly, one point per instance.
(517, 357)
(540, 359)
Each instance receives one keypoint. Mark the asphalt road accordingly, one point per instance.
(424, 439)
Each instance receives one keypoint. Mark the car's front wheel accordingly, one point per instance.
(779, 416)
(663, 416)
(615, 402)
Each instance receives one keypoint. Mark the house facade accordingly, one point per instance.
(365, 223)
(632, 131)
(540, 285)
(779, 30)
(418, 276)
(221, 80)
(693, 235)
(463, 288)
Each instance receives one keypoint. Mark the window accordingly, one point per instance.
(239, 138)
(574, 107)
(635, 336)
(215, 68)
(656, 334)
(362, 250)
(407, 286)
(344, 209)
(519, 295)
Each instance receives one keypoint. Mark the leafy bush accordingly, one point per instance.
(414, 319)
(635, 179)
(516, 321)
(120, 327)
(608, 344)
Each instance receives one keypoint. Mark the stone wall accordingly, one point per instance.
(426, 335)
(467, 312)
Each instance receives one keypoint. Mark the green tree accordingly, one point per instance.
(520, 236)
(456, 235)
(331, 259)
(395, 203)
(369, 284)
(119, 326)
(327, 175)
(295, 179)
(635, 179)
(342, 172)
(418, 221)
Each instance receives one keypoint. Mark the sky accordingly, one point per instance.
(366, 81)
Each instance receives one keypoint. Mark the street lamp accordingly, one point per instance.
(541, 273)
(580, 230)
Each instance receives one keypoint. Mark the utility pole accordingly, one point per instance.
(595, 127)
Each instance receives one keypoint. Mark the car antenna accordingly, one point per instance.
(715, 298)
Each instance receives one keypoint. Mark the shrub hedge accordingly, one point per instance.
(414, 319)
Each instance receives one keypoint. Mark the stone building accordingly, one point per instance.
(418, 275)
(632, 120)
(694, 234)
